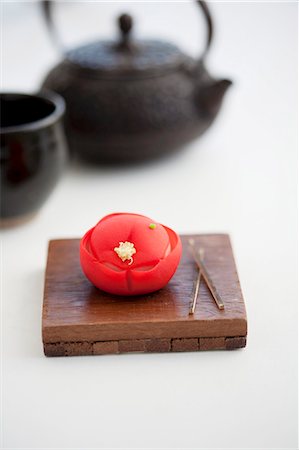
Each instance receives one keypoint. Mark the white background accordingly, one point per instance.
(239, 178)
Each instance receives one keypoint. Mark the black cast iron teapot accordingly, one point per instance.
(131, 100)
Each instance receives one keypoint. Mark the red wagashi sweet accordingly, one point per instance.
(129, 254)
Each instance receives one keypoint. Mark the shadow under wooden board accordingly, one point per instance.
(79, 319)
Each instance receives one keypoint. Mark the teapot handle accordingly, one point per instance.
(46, 6)
(47, 13)
(206, 12)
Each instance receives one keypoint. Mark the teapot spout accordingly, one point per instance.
(210, 96)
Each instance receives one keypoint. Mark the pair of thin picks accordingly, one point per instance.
(203, 273)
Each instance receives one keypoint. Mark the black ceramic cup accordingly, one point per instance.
(33, 152)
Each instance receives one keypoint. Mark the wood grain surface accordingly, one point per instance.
(78, 319)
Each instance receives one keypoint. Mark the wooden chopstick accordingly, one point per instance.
(195, 295)
(198, 258)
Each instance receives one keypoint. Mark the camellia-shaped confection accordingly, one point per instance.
(129, 254)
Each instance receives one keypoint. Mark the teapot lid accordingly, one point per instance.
(126, 57)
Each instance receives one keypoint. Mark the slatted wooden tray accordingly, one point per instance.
(78, 319)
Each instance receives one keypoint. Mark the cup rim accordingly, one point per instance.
(45, 94)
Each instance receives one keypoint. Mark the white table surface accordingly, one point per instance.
(239, 178)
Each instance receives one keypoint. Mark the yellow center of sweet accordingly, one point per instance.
(125, 251)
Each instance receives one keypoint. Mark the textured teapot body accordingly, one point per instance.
(129, 119)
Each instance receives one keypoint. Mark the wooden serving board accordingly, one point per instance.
(79, 319)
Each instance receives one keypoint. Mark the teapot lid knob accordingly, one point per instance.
(125, 22)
